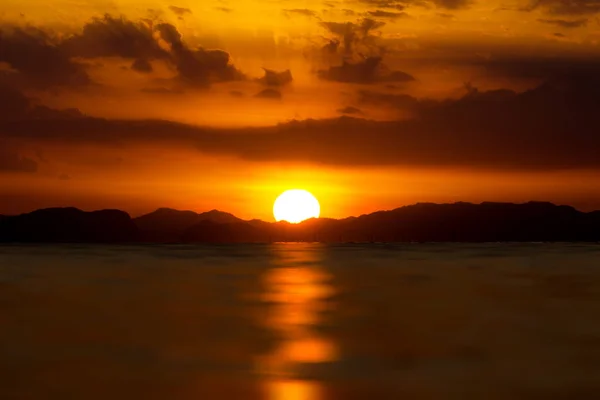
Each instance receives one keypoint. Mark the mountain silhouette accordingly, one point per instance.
(212, 232)
(69, 225)
(422, 222)
(168, 225)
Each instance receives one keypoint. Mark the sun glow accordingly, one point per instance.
(295, 206)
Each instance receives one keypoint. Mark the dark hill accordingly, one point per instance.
(465, 222)
(69, 225)
(423, 222)
(211, 232)
(168, 225)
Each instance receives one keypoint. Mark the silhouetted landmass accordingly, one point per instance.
(69, 225)
(211, 232)
(423, 222)
(168, 225)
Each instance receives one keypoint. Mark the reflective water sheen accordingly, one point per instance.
(300, 321)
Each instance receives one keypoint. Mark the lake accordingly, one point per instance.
(295, 321)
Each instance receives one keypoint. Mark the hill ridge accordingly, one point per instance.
(420, 222)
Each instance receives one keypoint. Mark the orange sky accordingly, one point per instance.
(447, 69)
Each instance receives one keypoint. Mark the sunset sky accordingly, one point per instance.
(189, 104)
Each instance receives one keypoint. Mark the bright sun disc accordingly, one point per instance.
(295, 206)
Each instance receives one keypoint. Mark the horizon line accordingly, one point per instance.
(132, 216)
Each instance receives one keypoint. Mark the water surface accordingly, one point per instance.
(300, 321)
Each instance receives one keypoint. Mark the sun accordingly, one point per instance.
(295, 206)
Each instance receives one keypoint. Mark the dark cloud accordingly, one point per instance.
(402, 102)
(355, 37)
(391, 4)
(301, 11)
(350, 111)
(43, 61)
(355, 55)
(109, 36)
(236, 93)
(565, 23)
(553, 126)
(64, 177)
(38, 60)
(14, 105)
(198, 67)
(224, 9)
(402, 4)
(532, 67)
(368, 71)
(564, 7)
(12, 161)
(180, 11)
(387, 14)
(141, 65)
(269, 94)
(559, 35)
(274, 78)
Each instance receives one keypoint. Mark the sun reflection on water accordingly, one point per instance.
(297, 291)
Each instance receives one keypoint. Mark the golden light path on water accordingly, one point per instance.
(298, 292)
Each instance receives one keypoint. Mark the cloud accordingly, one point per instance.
(350, 111)
(269, 94)
(403, 102)
(64, 177)
(301, 11)
(402, 4)
(44, 61)
(564, 7)
(391, 4)
(368, 71)
(355, 56)
(387, 14)
(224, 9)
(141, 65)
(14, 105)
(11, 161)
(38, 59)
(535, 67)
(565, 23)
(198, 67)
(274, 78)
(180, 11)
(553, 126)
(109, 36)
(355, 37)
